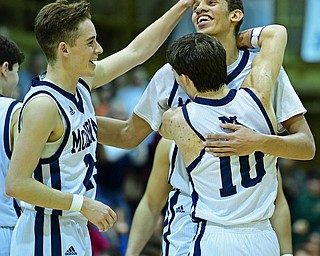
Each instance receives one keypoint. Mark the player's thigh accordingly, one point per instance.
(234, 242)
(179, 229)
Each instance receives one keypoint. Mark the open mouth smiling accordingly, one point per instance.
(203, 19)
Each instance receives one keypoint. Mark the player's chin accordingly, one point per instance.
(90, 72)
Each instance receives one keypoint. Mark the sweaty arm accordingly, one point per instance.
(244, 141)
(134, 54)
(122, 134)
(281, 220)
(42, 123)
(152, 202)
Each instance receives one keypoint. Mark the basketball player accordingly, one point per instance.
(155, 197)
(232, 197)
(10, 59)
(53, 165)
(221, 19)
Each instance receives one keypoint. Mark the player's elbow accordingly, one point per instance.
(10, 188)
(14, 186)
(312, 151)
(276, 31)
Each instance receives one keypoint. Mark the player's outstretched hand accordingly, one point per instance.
(240, 141)
(98, 213)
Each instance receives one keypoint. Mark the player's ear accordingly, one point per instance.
(186, 79)
(236, 15)
(4, 69)
(63, 48)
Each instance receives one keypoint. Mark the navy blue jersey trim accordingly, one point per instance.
(173, 162)
(67, 131)
(38, 232)
(186, 116)
(240, 67)
(17, 207)
(197, 247)
(68, 95)
(6, 134)
(217, 102)
(173, 93)
(56, 247)
(81, 81)
(172, 202)
(257, 100)
(55, 176)
(195, 162)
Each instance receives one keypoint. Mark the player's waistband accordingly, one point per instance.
(262, 225)
(77, 217)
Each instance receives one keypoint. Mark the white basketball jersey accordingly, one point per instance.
(231, 190)
(9, 208)
(72, 166)
(236, 74)
(163, 92)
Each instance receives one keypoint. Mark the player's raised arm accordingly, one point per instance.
(262, 77)
(267, 63)
(141, 48)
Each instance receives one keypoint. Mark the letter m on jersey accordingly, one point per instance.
(230, 120)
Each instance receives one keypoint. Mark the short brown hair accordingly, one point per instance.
(10, 52)
(233, 5)
(202, 58)
(57, 22)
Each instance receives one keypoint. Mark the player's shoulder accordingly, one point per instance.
(165, 70)
(163, 78)
(173, 114)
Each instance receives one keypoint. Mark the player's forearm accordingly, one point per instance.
(143, 224)
(33, 192)
(122, 134)
(285, 146)
(110, 131)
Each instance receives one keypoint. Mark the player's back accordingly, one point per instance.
(231, 190)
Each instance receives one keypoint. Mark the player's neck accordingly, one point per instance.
(229, 44)
(215, 95)
(62, 79)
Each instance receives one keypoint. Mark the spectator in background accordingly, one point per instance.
(293, 178)
(305, 208)
(36, 64)
(131, 92)
(119, 171)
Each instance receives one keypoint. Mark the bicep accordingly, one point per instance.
(39, 119)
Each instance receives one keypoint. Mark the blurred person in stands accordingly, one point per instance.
(35, 65)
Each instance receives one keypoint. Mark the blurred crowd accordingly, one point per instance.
(123, 174)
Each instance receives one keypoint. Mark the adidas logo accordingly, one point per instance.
(180, 209)
(71, 251)
(72, 112)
